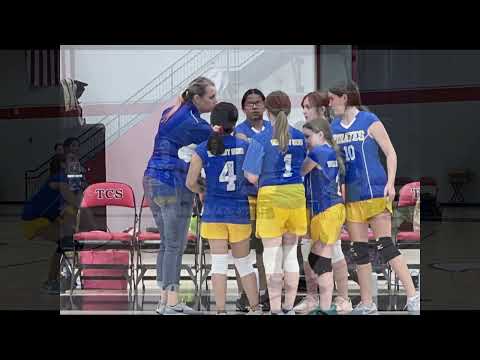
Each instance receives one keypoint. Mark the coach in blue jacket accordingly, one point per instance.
(164, 184)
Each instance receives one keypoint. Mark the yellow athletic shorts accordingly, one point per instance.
(252, 202)
(327, 225)
(231, 232)
(281, 209)
(33, 227)
(363, 211)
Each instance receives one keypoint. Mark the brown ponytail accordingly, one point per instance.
(196, 87)
(278, 103)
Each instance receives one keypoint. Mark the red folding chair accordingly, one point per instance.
(345, 236)
(400, 181)
(147, 241)
(104, 195)
(404, 235)
(408, 196)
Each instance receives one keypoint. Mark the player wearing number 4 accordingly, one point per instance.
(226, 211)
(369, 190)
(274, 160)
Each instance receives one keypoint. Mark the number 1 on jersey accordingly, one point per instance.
(288, 165)
(228, 175)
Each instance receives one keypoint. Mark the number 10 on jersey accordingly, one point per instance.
(349, 152)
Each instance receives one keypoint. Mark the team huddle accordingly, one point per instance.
(266, 185)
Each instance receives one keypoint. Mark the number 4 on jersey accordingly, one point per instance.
(228, 175)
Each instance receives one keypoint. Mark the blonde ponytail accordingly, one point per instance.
(281, 133)
(278, 103)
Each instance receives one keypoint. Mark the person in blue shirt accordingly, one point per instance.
(369, 190)
(253, 105)
(48, 213)
(273, 162)
(322, 169)
(315, 106)
(164, 184)
(226, 212)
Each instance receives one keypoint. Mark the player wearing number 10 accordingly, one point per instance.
(369, 190)
(273, 161)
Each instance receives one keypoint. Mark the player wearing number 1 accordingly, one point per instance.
(273, 161)
(226, 211)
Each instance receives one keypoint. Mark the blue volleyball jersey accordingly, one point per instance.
(365, 177)
(271, 165)
(47, 202)
(226, 198)
(185, 127)
(249, 131)
(322, 183)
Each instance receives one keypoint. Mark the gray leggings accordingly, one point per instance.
(172, 210)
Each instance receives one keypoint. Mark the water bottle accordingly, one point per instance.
(74, 175)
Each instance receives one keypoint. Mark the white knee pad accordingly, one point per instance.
(337, 253)
(253, 257)
(273, 259)
(290, 260)
(253, 261)
(306, 246)
(243, 265)
(230, 257)
(220, 264)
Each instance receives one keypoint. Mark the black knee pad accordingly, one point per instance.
(319, 264)
(387, 248)
(360, 253)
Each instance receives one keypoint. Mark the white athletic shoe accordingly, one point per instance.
(160, 308)
(179, 309)
(344, 306)
(306, 305)
(365, 309)
(413, 304)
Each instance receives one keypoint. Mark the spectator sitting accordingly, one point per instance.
(46, 214)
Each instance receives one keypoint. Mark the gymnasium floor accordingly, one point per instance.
(450, 260)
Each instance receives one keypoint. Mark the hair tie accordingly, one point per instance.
(219, 129)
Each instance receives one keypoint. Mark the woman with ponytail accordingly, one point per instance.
(164, 184)
(226, 212)
(273, 162)
(323, 168)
